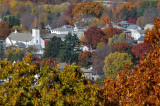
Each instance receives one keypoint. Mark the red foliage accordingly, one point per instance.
(139, 86)
(69, 11)
(121, 46)
(110, 31)
(36, 58)
(93, 35)
(4, 30)
(84, 58)
(49, 62)
(132, 20)
(141, 49)
(46, 42)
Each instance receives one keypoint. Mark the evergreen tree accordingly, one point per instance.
(53, 47)
(13, 21)
(133, 12)
(70, 49)
(125, 13)
(1, 50)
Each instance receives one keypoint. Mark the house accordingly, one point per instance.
(134, 31)
(148, 26)
(133, 27)
(123, 24)
(141, 39)
(87, 73)
(23, 40)
(78, 30)
(63, 30)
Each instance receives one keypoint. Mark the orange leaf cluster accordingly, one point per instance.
(128, 5)
(121, 46)
(89, 8)
(152, 36)
(140, 86)
(110, 31)
(141, 49)
(84, 58)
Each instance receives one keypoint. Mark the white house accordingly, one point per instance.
(23, 40)
(63, 30)
(134, 31)
(148, 26)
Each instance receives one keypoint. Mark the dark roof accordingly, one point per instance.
(49, 36)
(86, 70)
(142, 31)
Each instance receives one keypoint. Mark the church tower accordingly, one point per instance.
(36, 35)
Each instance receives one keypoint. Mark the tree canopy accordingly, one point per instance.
(28, 85)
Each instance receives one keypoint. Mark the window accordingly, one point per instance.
(36, 41)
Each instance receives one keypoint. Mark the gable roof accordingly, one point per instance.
(148, 26)
(142, 31)
(26, 37)
(123, 22)
(132, 26)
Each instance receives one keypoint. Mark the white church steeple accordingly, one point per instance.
(36, 34)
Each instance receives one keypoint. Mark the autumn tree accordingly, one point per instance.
(17, 55)
(4, 30)
(152, 36)
(96, 22)
(110, 31)
(121, 47)
(89, 8)
(69, 10)
(114, 63)
(85, 59)
(92, 36)
(30, 85)
(141, 49)
(52, 62)
(138, 85)
(105, 18)
(116, 39)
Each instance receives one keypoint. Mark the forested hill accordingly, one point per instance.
(47, 1)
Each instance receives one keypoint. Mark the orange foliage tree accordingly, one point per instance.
(110, 31)
(121, 46)
(106, 19)
(152, 36)
(141, 49)
(50, 87)
(141, 85)
(128, 5)
(84, 59)
(93, 35)
(89, 8)
(4, 30)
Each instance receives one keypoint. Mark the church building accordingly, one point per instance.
(24, 40)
